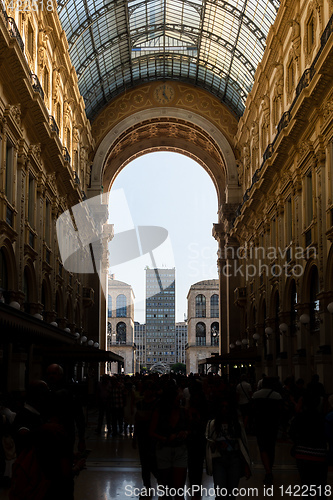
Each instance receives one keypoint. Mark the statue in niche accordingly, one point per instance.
(255, 135)
(279, 81)
(265, 106)
(246, 156)
(240, 172)
(296, 38)
(43, 37)
(55, 84)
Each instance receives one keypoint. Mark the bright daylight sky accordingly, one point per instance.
(172, 191)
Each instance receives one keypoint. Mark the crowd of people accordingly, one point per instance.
(179, 424)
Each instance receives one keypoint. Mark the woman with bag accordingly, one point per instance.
(227, 450)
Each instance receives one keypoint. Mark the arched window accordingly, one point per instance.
(277, 322)
(214, 306)
(109, 306)
(293, 311)
(314, 302)
(200, 306)
(46, 82)
(200, 334)
(58, 116)
(121, 333)
(214, 334)
(44, 296)
(121, 306)
(26, 291)
(3, 276)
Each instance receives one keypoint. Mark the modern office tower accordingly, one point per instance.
(160, 319)
(181, 341)
(120, 317)
(140, 344)
(203, 323)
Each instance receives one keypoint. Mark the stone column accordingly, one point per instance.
(230, 317)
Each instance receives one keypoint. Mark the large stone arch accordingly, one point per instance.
(133, 125)
(195, 124)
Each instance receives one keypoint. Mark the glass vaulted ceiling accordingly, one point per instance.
(214, 44)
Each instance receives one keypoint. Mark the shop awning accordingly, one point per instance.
(235, 357)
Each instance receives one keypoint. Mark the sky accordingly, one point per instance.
(173, 192)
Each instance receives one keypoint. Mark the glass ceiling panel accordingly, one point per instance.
(213, 44)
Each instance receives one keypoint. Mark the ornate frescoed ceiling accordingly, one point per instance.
(213, 44)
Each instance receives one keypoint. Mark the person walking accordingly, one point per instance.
(267, 407)
(244, 395)
(228, 449)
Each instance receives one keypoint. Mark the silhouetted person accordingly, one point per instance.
(141, 436)
(267, 404)
(69, 408)
(169, 428)
(31, 417)
(196, 442)
(228, 444)
(310, 442)
(104, 403)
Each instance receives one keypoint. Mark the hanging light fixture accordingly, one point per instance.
(268, 330)
(330, 307)
(283, 327)
(256, 336)
(304, 319)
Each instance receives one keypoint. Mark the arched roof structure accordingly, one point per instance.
(213, 44)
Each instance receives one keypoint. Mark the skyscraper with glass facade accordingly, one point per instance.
(160, 319)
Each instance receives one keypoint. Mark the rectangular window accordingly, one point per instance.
(331, 173)
(309, 199)
(9, 171)
(30, 39)
(46, 83)
(310, 34)
(291, 77)
(47, 222)
(273, 233)
(289, 222)
(31, 201)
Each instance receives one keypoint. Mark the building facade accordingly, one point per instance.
(281, 234)
(256, 114)
(160, 319)
(203, 323)
(181, 341)
(45, 142)
(120, 312)
(140, 343)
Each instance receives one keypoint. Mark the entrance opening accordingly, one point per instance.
(172, 191)
(163, 206)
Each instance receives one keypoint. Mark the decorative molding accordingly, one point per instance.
(185, 97)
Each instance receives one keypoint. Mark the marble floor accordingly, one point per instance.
(113, 471)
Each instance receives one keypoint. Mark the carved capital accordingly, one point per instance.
(36, 150)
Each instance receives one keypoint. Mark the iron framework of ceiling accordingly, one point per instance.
(213, 44)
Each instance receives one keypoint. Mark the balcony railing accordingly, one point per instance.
(285, 119)
(76, 178)
(53, 125)
(303, 83)
(66, 155)
(14, 32)
(36, 85)
(9, 216)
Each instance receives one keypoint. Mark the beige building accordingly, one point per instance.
(202, 324)
(247, 92)
(121, 325)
